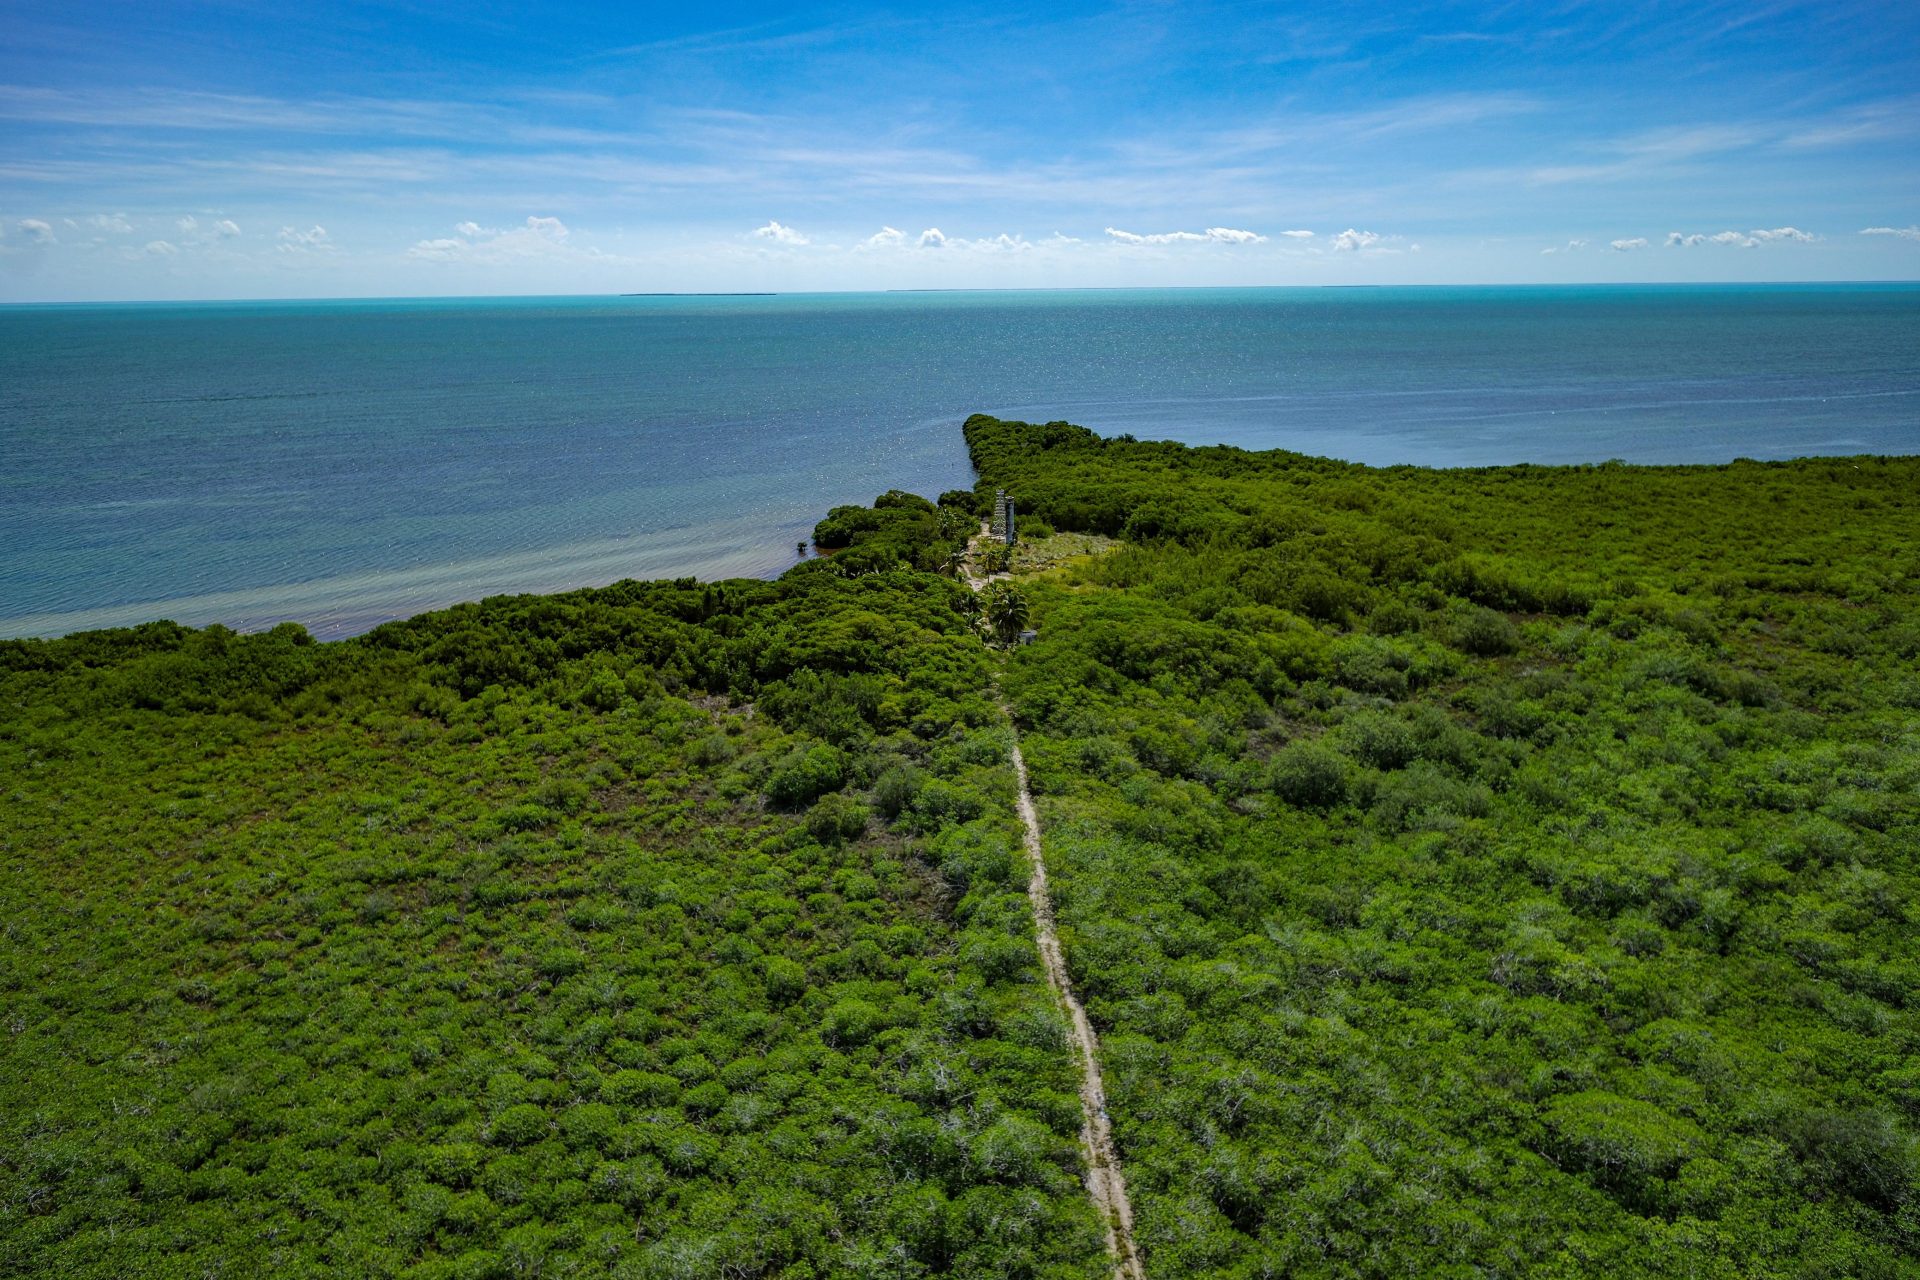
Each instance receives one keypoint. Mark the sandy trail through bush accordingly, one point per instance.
(1105, 1183)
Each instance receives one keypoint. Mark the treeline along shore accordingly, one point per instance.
(1505, 872)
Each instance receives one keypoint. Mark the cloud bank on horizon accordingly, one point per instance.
(223, 151)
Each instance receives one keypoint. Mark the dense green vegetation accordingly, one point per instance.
(1471, 873)
(1507, 872)
(899, 529)
(661, 930)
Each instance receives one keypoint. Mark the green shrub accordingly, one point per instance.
(786, 979)
(1622, 1143)
(520, 1125)
(455, 1164)
(895, 790)
(851, 1022)
(1482, 632)
(806, 774)
(588, 1126)
(1308, 775)
(1861, 1153)
(632, 1088)
(1378, 741)
(835, 818)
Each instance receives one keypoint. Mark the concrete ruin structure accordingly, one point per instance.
(1002, 527)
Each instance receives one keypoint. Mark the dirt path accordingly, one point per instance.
(1105, 1182)
(969, 567)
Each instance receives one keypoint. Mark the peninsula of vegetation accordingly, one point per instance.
(1492, 873)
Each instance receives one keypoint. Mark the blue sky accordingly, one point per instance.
(247, 149)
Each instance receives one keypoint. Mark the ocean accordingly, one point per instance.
(341, 463)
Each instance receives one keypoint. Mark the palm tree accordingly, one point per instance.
(1006, 611)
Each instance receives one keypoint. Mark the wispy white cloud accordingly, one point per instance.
(760, 36)
(226, 228)
(187, 225)
(195, 110)
(1571, 246)
(1298, 235)
(780, 234)
(1352, 241)
(1661, 151)
(885, 238)
(1867, 123)
(1904, 233)
(1651, 151)
(1212, 235)
(1627, 246)
(114, 222)
(1311, 131)
(161, 249)
(35, 230)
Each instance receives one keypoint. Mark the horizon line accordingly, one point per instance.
(849, 293)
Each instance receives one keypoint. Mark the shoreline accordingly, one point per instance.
(342, 622)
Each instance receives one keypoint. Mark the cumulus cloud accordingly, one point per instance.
(226, 228)
(114, 222)
(1739, 239)
(187, 225)
(779, 234)
(1627, 246)
(160, 249)
(36, 231)
(536, 237)
(1352, 241)
(1002, 243)
(1212, 235)
(1904, 233)
(933, 238)
(1298, 235)
(313, 240)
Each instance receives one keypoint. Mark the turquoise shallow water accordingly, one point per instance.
(339, 463)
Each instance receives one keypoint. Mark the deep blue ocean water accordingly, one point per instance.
(340, 463)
